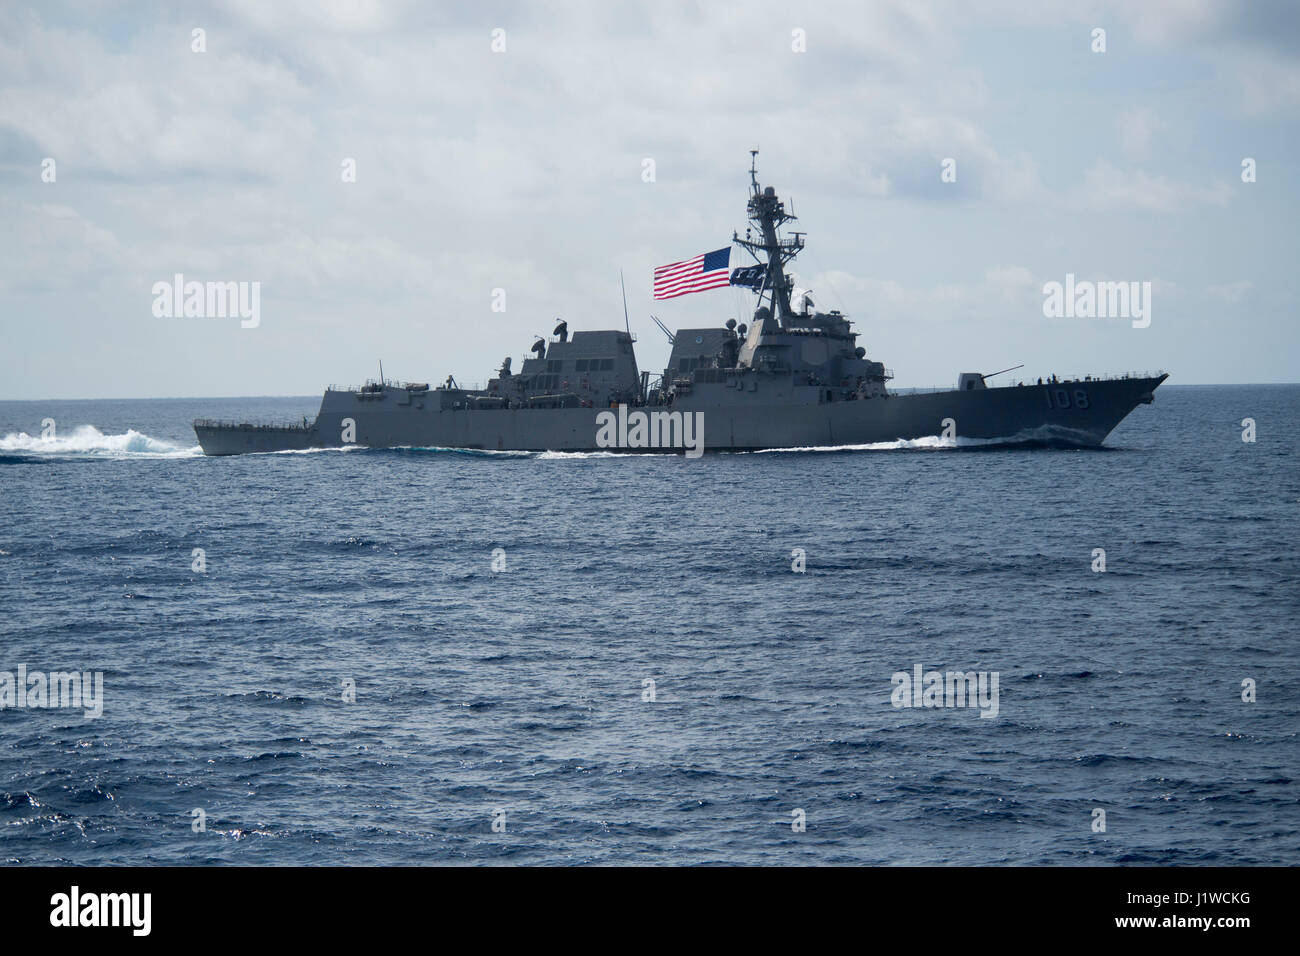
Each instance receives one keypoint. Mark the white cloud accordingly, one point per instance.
(49, 246)
(1137, 129)
(1106, 187)
(1233, 293)
(522, 170)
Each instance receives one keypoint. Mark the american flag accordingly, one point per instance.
(711, 270)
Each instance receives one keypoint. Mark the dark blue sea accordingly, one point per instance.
(517, 696)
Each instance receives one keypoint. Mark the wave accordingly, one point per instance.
(928, 442)
(1043, 436)
(1046, 436)
(433, 450)
(314, 451)
(561, 455)
(1036, 439)
(401, 450)
(89, 441)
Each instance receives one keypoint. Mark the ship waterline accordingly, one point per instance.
(1028, 413)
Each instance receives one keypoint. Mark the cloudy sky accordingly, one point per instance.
(522, 170)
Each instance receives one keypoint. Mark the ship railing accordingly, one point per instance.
(441, 386)
(1147, 373)
(231, 423)
(1060, 380)
(1087, 377)
(388, 382)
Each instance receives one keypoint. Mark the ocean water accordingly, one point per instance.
(518, 696)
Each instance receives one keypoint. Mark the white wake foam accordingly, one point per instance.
(1043, 433)
(310, 451)
(89, 441)
(928, 441)
(564, 455)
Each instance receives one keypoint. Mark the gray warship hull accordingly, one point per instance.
(792, 378)
(798, 416)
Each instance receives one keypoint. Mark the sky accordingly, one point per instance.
(525, 168)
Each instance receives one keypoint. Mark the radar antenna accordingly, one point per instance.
(768, 212)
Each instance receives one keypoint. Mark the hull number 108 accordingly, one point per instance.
(1062, 398)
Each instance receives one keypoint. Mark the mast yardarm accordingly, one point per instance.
(768, 212)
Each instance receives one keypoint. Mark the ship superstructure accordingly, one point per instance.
(790, 378)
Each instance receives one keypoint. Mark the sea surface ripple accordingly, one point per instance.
(521, 692)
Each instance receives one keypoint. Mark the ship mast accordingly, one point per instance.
(768, 213)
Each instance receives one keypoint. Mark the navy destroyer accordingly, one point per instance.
(791, 378)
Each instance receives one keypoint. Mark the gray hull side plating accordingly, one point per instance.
(1082, 413)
